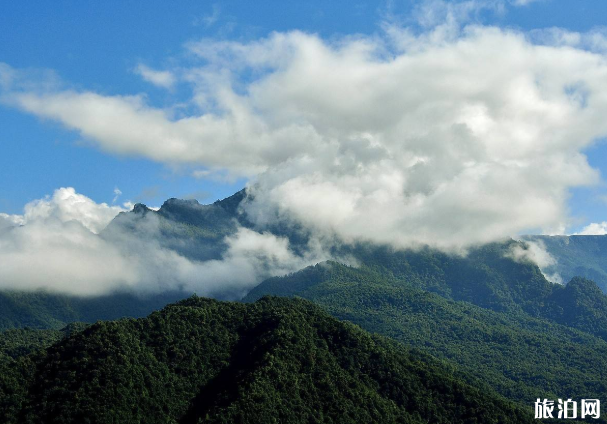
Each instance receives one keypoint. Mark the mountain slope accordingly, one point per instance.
(276, 360)
(577, 256)
(193, 230)
(44, 310)
(519, 356)
(489, 277)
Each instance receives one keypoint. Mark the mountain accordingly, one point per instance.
(44, 310)
(276, 360)
(17, 343)
(507, 349)
(494, 321)
(489, 277)
(577, 256)
(193, 230)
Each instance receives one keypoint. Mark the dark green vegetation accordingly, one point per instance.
(41, 310)
(24, 341)
(488, 277)
(500, 322)
(200, 360)
(582, 256)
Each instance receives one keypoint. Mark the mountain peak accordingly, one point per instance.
(230, 204)
(585, 286)
(140, 208)
(180, 202)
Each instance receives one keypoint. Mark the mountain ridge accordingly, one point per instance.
(516, 354)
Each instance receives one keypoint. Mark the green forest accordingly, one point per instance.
(204, 361)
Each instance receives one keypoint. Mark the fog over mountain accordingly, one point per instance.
(54, 245)
(452, 135)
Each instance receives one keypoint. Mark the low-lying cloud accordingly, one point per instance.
(536, 252)
(54, 246)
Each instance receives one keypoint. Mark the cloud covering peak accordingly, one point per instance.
(55, 246)
(452, 136)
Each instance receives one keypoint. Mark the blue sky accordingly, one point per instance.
(97, 47)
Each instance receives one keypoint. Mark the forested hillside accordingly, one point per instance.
(510, 351)
(276, 360)
(40, 309)
(489, 277)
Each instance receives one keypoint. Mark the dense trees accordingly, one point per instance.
(521, 356)
(276, 360)
(54, 311)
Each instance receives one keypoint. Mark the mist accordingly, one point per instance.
(54, 246)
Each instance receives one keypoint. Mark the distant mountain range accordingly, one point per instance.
(185, 226)
(582, 256)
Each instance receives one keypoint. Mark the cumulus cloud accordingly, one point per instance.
(10, 221)
(452, 136)
(66, 205)
(164, 79)
(54, 245)
(594, 229)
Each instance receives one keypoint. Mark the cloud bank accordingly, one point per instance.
(450, 135)
(54, 246)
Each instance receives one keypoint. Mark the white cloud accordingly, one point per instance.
(61, 256)
(67, 205)
(10, 221)
(594, 229)
(536, 252)
(251, 257)
(117, 194)
(524, 2)
(54, 246)
(594, 40)
(164, 79)
(451, 137)
(210, 19)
